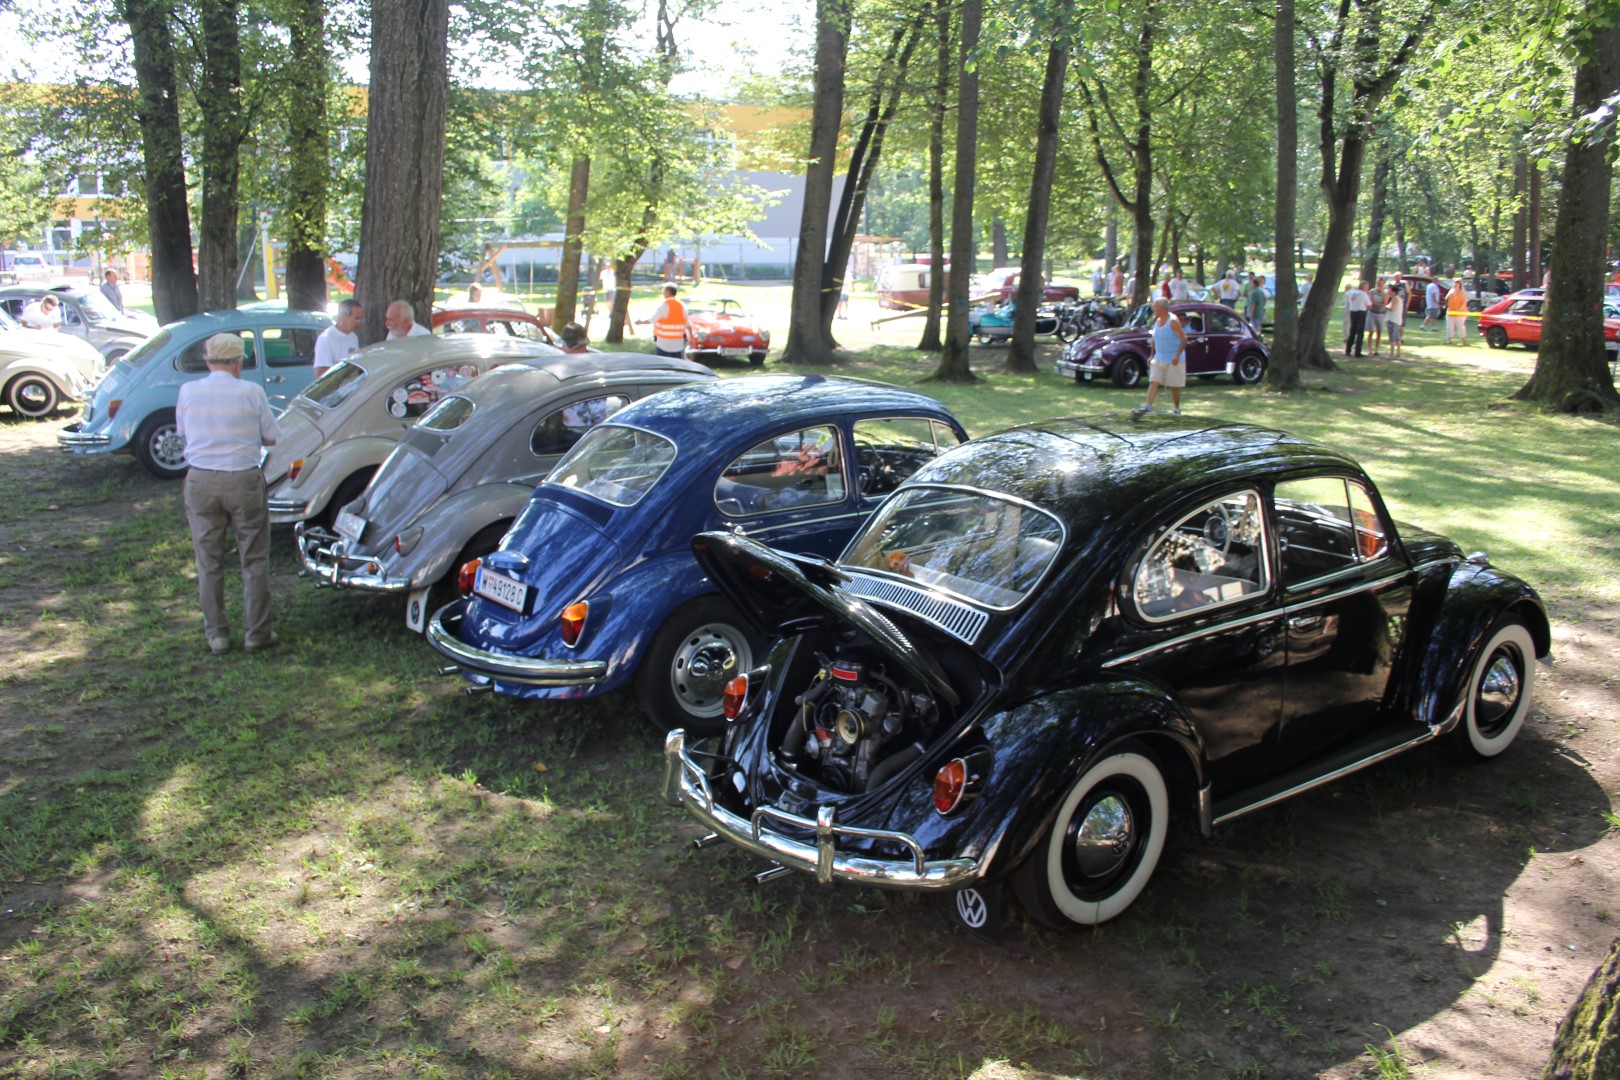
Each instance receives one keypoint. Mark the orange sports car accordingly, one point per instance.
(1517, 319)
(721, 328)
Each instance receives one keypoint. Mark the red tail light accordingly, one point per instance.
(467, 576)
(113, 406)
(573, 621)
(734, 697)
(295, 468)
(950, 784)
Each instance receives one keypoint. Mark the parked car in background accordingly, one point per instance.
(336, 433)
(595, 586)
(720, 328)
(905, 286)
(86, 314)
(31, 267)
(42, 369)
(1516, 320)
(1219, 342)
(505, 321)
(1003, 282)
(450, 488)
(1053, 641)
(132, 410)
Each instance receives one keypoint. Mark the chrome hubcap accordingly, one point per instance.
(1498, 694)
(33, 396)
(709, 658)
(1103, 842)
(169, 448)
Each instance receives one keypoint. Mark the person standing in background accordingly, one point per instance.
(341, 339)
(1356, 303)
(1457, 313)
(111, 290)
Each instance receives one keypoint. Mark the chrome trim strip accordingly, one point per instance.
(685, 785)
(960, 620)
(1428, 735)
(1273, 613)
(507, 667)
(71, 439)
(1417, 567)
(287, 506)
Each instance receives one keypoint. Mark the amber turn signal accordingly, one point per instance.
(295, 468)
(734, 697)
(573, 621)
(467, 576)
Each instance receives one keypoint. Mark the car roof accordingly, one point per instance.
(516, 387)
(214, 322)
(750, 402)
(1090, 470)
(455, 314)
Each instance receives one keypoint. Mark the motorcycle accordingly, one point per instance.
(1093, 315)
(992, 324)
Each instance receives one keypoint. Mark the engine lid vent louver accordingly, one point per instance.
(957, 619)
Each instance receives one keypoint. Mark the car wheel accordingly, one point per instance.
(159, 447)
(1249, 369)
(1103, 845)
(1496, 338)
(1128, 371)
(695, 653)
(1067, 330)
(1499, 690)
(113, 355)
(32, 396)
(756, 358)
(346, 493)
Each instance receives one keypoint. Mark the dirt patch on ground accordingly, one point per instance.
(1443, 914)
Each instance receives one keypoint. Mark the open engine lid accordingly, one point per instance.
(780, 593)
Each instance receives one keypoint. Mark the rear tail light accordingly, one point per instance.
(405, 542)
(573, 621)
(950, 784)
(734, 697)
(467, 576)
(113, 407)
(294, 469)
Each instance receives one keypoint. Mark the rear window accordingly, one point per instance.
(336, 384)
(149, 348)
(447, 415)
(980, 547)
(618, 465)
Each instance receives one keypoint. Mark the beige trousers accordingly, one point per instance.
(215, 500)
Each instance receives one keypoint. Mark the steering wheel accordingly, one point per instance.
(1218, 529)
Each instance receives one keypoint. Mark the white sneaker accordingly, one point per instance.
(1175, 412)
(1141, 410)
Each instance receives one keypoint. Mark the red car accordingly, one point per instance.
(1517, 318)
(509, 322)
(1004, 281)
(721, 328)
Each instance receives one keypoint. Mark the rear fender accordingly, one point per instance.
(1475, 598)
(336, 463)
(1039, 749)
(451, 523)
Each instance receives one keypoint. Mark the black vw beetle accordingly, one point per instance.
(1049, 641)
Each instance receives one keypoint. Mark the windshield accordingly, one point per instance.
(336, 385)
(615, 464)
(97, 308)
(1142, 316)
(147, 349)
(8, 323)
(983, 548)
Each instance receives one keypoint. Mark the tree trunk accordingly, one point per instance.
(223, 128)
(1375, 217)
(304, 220)
(247, 250)
(1284, 370)
(168, 218)
(999, 255)
(579, 185)
(399, 217)
(954, 364)
(1533, 226)
(1021, 350)
(1521, 196)
(1587, 1045)
(619, 316)
(1572, 373)
(808, 342)
(936, 180)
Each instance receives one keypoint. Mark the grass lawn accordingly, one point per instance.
(324, 861)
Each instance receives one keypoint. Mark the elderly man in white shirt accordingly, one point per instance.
(225, 422)
(401, 322)
(42, 314)
(340, 339)
(1356, 302)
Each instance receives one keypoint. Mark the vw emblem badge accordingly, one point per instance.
(972, 909)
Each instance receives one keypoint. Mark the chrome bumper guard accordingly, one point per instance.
(71, 438)
(507, 667)
(686, 785)
(287, 506)
(1071, 368)
(325, 559)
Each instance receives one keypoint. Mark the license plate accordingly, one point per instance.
(1087, 376)
(350, 524)
(505, 591)
(732, 350)
(416, 612)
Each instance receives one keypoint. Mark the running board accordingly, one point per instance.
(1338, 764)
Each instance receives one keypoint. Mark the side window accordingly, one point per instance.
(288, 347)
(559, 431)
(1195, 322)
(1525, 307)
(70, 314)
(416, 395)
(887, 452)
(14, 306)
(1325, 524)
(1223, 322)
(194, 359)
(797, 468)
(1214, 556)
(945, 437)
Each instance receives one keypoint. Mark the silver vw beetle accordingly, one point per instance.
(454, 483)
(336, 433)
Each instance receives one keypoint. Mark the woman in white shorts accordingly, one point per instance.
(1169, 366)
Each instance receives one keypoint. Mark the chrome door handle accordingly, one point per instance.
(1303, 624)
(275, 378)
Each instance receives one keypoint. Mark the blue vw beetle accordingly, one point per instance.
(132, 409)
(595, 583)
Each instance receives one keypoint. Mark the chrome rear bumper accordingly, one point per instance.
(326, 560)
(71, 438)
(507, 667)
(685, 784)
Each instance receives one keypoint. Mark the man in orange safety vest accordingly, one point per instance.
(669, 325)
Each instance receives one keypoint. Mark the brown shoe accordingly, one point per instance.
(259, 646)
